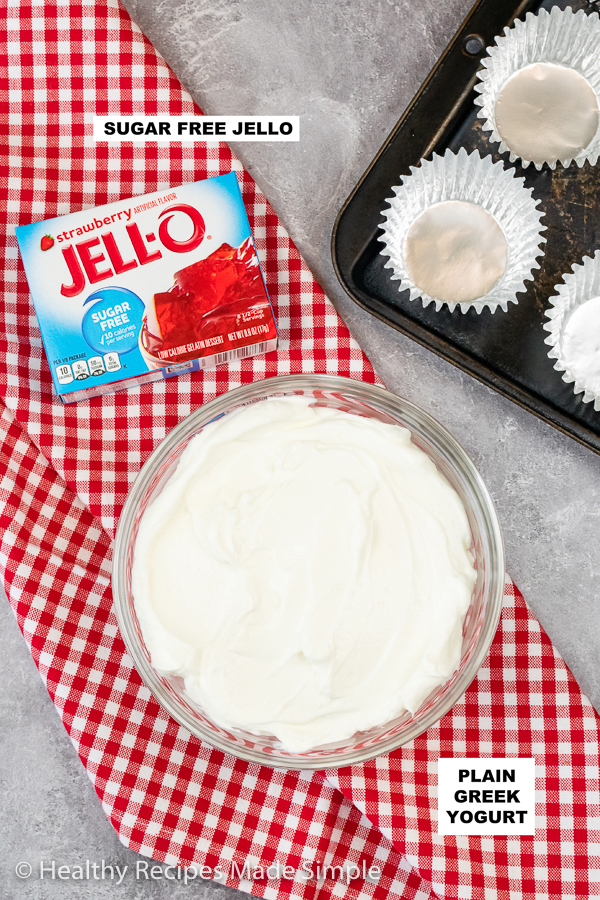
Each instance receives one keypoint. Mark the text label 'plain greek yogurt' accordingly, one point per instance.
(486, 796)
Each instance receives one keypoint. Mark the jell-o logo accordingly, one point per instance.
(88, 258)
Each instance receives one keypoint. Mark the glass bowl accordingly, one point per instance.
(480, 623)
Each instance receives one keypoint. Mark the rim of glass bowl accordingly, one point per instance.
(426, 433)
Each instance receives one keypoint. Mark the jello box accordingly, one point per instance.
(147, 288)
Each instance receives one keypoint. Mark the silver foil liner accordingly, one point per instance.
(561, 37)
(578, 288)
(472, 179)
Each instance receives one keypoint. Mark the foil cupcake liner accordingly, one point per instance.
(580, 286)
(561, 37)
(472, 179)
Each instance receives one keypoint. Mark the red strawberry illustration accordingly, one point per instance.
(47, 242)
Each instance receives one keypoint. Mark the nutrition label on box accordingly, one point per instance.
(86, 368)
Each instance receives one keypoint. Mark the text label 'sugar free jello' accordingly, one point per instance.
(146, 288)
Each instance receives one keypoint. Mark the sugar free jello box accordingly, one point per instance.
(147, 288)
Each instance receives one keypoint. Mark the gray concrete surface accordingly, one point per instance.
(348, 69)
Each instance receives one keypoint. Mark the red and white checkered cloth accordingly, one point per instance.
(66, 472)
(524, 702)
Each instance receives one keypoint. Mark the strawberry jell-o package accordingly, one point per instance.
(147, 288)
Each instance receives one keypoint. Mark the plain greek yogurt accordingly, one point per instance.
(306, 571)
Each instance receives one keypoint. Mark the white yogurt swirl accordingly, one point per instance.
(307, 572)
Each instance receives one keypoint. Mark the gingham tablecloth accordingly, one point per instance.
(65, 474)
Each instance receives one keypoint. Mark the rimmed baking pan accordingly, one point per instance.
(504, 350)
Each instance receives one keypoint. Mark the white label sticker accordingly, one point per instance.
(486, 796)
(179, 367)
(186, 129)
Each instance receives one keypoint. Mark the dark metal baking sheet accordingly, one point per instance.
(504, 350)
